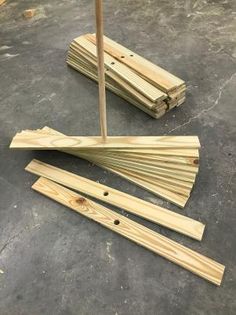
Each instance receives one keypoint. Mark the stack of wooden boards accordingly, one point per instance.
(142, 83)
(166, 166)
(50, 184)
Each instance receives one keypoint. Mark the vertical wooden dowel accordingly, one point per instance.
(101, 72)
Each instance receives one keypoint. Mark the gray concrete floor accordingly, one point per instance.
(53, 261)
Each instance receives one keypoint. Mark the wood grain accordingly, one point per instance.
(122, 71)
(120, 199)
(100, 64)
(153, 73)
(177, 253)
(32, 140)
(152, 183)
(143, 84)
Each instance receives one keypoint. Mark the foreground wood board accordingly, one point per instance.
(117, 198)
(33, 140)
(177, 253)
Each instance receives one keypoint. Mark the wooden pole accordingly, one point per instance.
(101, 72)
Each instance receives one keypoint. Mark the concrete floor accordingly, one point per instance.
(53, 261)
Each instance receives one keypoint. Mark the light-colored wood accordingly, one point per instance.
(177, 253)
(29, 13)
(153, 159)
(154, 74)
(32, 140)
(145, 162)
(145, 169)
(101, 74)
(159, 185)
(177, 199)
(2, 1)
(153, 183)
(122, 71)
(142, 103)
(120, 199)
(117, 82)
(143, 84)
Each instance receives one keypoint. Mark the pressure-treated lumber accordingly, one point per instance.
(167, 182)
(156, 75)
(117, 198)
(143, 84)
(177, 253)
(32, 140)
(123, 90)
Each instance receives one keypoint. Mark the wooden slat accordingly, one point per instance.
(144, 162)
(114, 81)
(153, 73)
(178, 199)
(152, 158)
(128, 75)
(31, 140)
(120, 92)
(177, 253)
(182, 176)
(117, 198)
(122, 71)
(175, 198)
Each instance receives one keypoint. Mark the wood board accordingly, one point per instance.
(139, 81)
(146, 210)
(161, 245)
(166, 182)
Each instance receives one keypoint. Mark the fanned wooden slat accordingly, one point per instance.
(153, 183)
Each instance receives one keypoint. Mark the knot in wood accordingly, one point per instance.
(81, 200)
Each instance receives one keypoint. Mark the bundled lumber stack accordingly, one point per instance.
(142, 83)
(166, 166)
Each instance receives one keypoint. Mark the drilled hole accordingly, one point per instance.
(117, 222)
(112, 63)
(131, 55)
(106, 193)
(196, 161)
(122, 56)
(229, 154)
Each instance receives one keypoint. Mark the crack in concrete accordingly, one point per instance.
(9, 241)
(221, 88)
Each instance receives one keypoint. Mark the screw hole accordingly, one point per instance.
(122, 56)
(116, 222)
(131, 55)
(106, 193)
(112, 63)
(196, 161)
(229, 154)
